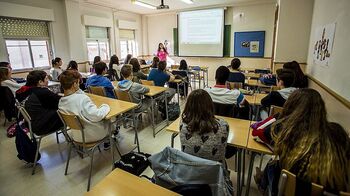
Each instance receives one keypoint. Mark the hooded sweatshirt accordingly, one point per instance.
(99, 80)
(91, 116)
(277, 98)
(136, 90)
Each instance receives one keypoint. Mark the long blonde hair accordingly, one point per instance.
(308, 145)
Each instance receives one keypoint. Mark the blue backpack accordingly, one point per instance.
(26, 147)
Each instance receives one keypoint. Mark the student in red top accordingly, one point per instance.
(162, 52)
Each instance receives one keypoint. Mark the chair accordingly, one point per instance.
(234, 85)
(287, 184)
(85, 148)
(97, 90)
(275, 110)
(125, 96)
(147, 82)
(227, 110)
(174, 67)
(34, 136)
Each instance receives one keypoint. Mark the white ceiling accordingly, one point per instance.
(175, 5)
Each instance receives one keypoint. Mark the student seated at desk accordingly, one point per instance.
(285, 80)
(76, 102)
(136, 90)
(220, 93)
(137, 73)
(6, 79)
(56, 69)
(235, 73)
(114, 68)
(41, 104)
(160, 76)
(301, 80)
(100, 80)
(155, 62)
(308, 145)
(201, 133)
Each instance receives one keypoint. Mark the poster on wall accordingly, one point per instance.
(249, 44)
(323, 44)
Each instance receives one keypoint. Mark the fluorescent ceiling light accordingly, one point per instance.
(140, 3)
(188, 1)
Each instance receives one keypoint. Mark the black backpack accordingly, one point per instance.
(26, 147)
(133, 162)
(173, 111)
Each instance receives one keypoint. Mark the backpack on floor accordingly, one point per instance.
(11, 130)
(173, 111)
(133, 162)
(26, 147)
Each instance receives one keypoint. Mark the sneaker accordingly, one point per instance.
(106, 146)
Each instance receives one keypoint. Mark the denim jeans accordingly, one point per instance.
(173, 168)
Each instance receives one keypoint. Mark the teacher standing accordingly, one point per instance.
(162, 52)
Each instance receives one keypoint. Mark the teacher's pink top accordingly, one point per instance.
(162, 55)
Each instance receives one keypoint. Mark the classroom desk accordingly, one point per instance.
(117, 108)
(251, 75)
(86, 74)
(256, 83)
(238, 137)
(205, 71)
(120, 182)
(157, 93)
(255, 99)
(256, 148)
(145, 66)
(178, 82)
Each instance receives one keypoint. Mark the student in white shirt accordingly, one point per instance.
(75, 101)
(56, 70)
(5, 77)
(220, 93)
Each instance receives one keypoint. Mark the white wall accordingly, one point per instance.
(255, 18)
(134, 18)
(59, 28)
(336, 75)
(294, 25)
(160, 28)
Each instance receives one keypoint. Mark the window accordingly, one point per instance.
(127, 42)
(27, 43)
(97, 42)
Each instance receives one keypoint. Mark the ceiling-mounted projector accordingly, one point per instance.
(162, 6)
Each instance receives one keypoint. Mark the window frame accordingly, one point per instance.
(49, 51)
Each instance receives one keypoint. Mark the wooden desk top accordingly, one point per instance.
(252, 75)
(117, 107)
(256, 83)
(177, 81)
(255, 146)
(145, 66)
(239, 130)
(119, 182)
(155, 90)
(255, 99)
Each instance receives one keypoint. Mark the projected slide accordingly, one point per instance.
(201, 32)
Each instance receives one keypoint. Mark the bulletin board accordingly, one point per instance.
(249, 44)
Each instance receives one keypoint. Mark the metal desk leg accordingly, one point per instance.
(178, 93)
(207, 76)
(111, 141)
(135, 129)
(173, 136)
(185, 94)
(153, 113)
(239, 153)
(166, 109)
(250, 173)
(243, 166)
